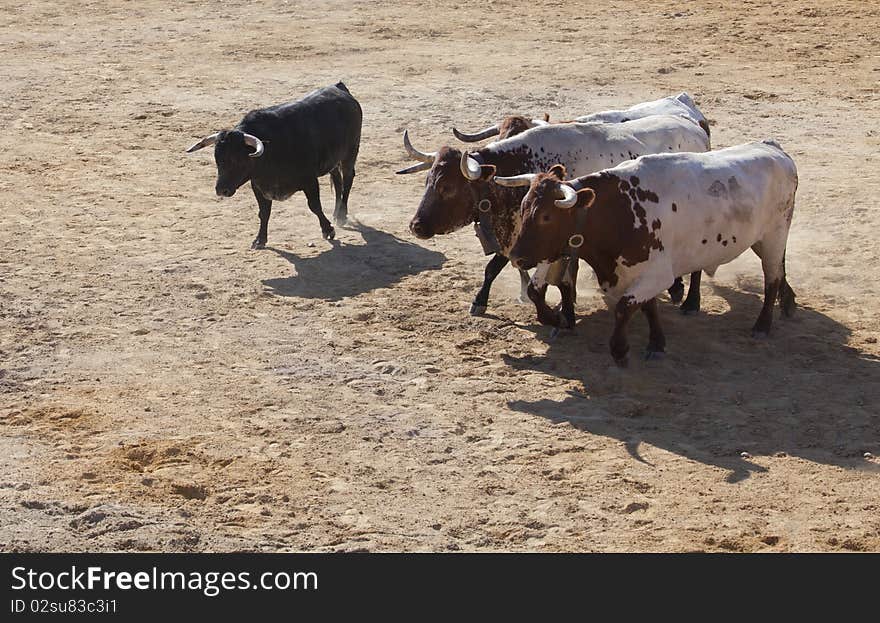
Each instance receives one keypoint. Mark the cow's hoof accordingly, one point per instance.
(258, 244)
(341, 220)
(654, 355)
(523, 300)
(330, 234)
(676, 293)
(760, 335)
(477, 310)
(622, 362)
(689, 311)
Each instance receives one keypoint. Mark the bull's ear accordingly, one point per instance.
(558, 170)
(586, 197)
(487, 172)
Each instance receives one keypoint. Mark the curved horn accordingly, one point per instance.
(208, 140)
(517, 180)
(470, 168)
(492, 130)
(415, 153)
(569, 197)
(253, 141)
(422, 166)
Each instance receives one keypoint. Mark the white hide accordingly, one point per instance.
(681, 105)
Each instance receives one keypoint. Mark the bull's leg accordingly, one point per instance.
(676, 290)
(786, 294)
(619, 344)
(656, 338)
(772, 261)
(481, 301)
(524, 281)
(338, 210)
(265, 211)
(537, 294)
(691, 304)
(565, 311)
(347, 168)
(314, 198)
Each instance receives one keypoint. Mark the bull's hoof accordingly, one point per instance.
(258, 244)
(689, 310)
(523, 300)
(760, 335)
(341, 220)
(622, 362)
(477, 310)
(676, 292)
(330, 234)
(654, 355)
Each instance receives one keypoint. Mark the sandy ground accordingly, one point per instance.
(162, 387)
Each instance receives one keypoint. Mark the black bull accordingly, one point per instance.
(284, 149)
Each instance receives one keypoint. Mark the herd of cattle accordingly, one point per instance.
(638, 194)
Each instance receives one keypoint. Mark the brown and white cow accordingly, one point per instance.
(459, 188)
(681, 105)
(641, 223)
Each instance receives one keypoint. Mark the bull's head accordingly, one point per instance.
(549, 216)
(509, 126)
(234, 153)
(452, 189)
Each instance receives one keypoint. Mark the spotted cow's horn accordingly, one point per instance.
(470, 168)
(569, 197)
(415, 153)
(492, 130)
(517, 180)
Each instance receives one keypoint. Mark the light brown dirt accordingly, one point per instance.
(162, 387)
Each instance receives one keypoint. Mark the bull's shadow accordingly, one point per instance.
(351, 269)
(803, 392)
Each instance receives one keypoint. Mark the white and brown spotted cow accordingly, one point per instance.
(459, 188)
(681, 105)
(641, 223)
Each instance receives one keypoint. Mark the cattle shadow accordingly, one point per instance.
(719, 393)
(351, 269)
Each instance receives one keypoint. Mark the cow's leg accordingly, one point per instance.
(265, 211)
(772, 261)
(481, 301)
(656, 338)
(691, 304)
(336, 178)
(537, 293)
(314, 198)
(619, 344)
(676, 290)
(347, 169)
(568, 291)
(786, 294)
(524, 281)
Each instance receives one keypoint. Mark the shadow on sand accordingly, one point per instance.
(803, 392)
(351, 269)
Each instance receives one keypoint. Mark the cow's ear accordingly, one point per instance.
(558, 170)
(487, 172)
(586, 197)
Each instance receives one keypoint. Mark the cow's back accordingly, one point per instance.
(315, 132)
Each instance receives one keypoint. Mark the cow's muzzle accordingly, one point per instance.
(420, 230)
(224, 191)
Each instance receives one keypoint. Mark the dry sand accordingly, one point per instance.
(162, 387)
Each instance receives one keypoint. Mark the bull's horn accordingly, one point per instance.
(517, 180)
(257, 144)
(208, 140)
(569, 197)
(415, 153)
(422, 166)
(470, 168)
(492, 130)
